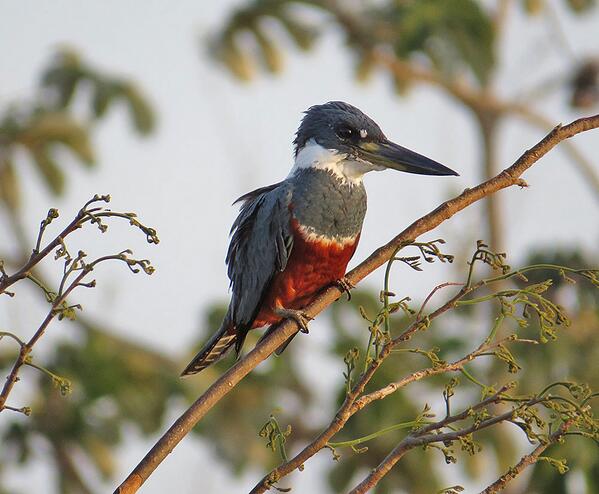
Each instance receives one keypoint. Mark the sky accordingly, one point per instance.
(217, 138)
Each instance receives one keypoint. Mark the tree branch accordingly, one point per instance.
(352, 404)
(540, 121)
(85, 215)
(222, 386)
(527, 460)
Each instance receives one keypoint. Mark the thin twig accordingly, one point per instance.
(59, 307)
(420, 439)
(84, 215)
(527, 460)
(579, 160)
(352, 404)
(457, 365)
(36, 257)
(435, 290)
(427, 435)
(484, 101)
(25, 349)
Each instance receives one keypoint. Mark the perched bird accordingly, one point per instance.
(295, 237)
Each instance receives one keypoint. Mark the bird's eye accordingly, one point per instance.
(345, 132)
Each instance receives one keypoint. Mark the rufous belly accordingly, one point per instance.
(313, 265)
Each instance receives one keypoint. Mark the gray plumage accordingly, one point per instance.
(212, 351)
(262, 241)
(325, 123)
(261, 244)
(327, 205)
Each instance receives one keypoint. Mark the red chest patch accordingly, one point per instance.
(313, 264)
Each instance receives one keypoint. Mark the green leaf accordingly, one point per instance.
(58, 127)
(139, 109)
(62, 76)
(227, 48)
(227, 51)
(53, 176)
(581, 6)
(452, 33)
(302, 34)
(9, 185)
(104, 94)
(271, 55)
(68, 71)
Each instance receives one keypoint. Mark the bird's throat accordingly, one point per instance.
(344, 167)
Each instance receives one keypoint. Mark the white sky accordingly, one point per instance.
(218, 139)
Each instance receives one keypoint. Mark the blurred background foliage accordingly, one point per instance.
(118, 384)
(49, 121)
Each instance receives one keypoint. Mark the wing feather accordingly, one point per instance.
(261, 243)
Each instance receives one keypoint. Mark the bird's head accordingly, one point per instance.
(339, 137)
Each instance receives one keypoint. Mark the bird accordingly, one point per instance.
(297, 236)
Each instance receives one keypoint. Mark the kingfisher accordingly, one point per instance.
(294, 238)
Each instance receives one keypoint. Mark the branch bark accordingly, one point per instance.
(527, 460)
(585, 167)
(223, 385)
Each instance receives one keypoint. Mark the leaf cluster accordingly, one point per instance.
(50, 124)
(453, 35)
(248, 31)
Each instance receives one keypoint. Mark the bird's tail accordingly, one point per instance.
(216, 348)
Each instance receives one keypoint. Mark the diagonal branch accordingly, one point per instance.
(222, 386)
(577, 157)
(527, 460)
(26, 348)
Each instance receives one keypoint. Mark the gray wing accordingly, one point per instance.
(261, 244)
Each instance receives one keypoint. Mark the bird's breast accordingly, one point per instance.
(315, 263)
(326, 208)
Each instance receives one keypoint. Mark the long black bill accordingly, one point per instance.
(391, 155)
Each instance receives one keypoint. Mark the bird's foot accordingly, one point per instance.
(346, 286)
(301, 318)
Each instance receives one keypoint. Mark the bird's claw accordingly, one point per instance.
(346, 286)
(301, 318)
